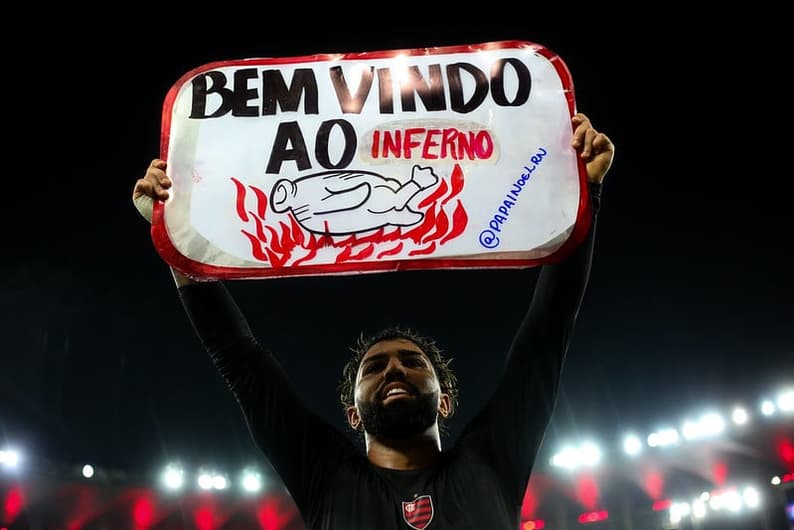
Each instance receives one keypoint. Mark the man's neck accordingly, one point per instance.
(418, 452)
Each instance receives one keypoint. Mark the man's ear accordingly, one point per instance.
(353, 418)
(444, 405)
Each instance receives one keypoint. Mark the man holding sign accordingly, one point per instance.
(395, 392)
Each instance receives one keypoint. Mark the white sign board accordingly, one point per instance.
(449, 157)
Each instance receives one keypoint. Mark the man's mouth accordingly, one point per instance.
(396, 392)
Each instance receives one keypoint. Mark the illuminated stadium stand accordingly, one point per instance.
(731, 470)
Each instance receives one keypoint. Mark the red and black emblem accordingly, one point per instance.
(419, 512)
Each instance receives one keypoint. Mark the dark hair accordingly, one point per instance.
(446, 377)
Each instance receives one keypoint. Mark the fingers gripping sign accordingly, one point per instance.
(594, 147)
(153, 185)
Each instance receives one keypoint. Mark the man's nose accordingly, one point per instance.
(395, 369)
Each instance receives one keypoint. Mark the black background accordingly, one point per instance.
(690, 297)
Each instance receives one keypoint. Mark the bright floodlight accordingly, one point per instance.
(219, 482)
(775, 481)
(678, 510)
(785, 401)
(251, 481)
(716, 502)
(205, 481)
(752, 499)
(88, 471)
(9, 458)
(173, 477)
(698, 509)
(589, 454)
(632, 444)
(707, 425)
(663, 438)
(567, 458)
(739, 416)
(399, 67)
(689, 429)
(732, 500)
(767, 408)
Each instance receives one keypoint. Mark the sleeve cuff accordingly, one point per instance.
(595, 195)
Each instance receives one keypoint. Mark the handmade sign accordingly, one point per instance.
(449, 157)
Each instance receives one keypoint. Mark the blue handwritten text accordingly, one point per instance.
(489, 237)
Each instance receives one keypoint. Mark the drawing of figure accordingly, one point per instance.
(348, 202)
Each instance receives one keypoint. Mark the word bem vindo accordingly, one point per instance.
(243, 98)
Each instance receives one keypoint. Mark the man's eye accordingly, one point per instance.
(371, 367)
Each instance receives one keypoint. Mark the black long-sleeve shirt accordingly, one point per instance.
(479, 483)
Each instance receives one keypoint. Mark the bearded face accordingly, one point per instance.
(397, 391)
(399, 417)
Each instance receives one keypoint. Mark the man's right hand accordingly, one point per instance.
(154, 185)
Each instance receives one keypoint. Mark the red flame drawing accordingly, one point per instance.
(288, 244)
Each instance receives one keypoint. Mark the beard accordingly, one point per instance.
(401, 418)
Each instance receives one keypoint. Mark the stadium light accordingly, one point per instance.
(173, 477)
(767, 408)
(785, 401)
(567, 458)
(9, 458)
(209, 479)
(251, 481)
(739, 416)
(220, 482)
(678, 511)
(699, 510)
(751, 497)
(710, 424)
(663, 438)
(204, 481)
(587, 454)
(632, 444)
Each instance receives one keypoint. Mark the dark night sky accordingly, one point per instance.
(690, 296)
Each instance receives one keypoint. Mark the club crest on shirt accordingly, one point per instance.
(419, 512)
